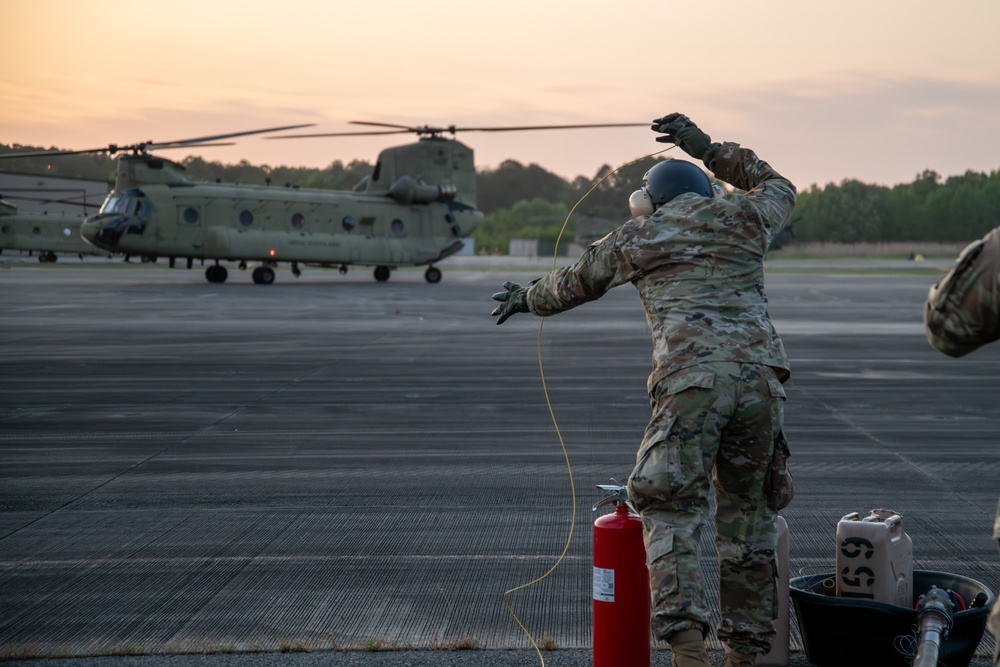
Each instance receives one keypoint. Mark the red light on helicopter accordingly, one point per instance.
(272, 252)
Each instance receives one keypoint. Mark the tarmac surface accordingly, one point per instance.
(333, 470)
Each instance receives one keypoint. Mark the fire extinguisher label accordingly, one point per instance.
(604, 584)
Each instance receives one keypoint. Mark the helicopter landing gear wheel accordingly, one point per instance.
(432, 274)
(216, 274)
(296, 271)
(263, 275)
(381, 273)
(343, 269)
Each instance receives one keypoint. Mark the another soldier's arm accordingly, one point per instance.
(996, 527)
(602, 267)
(962, 311)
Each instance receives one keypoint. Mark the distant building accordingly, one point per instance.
(54, 195)
(468, 250)
(588, 230)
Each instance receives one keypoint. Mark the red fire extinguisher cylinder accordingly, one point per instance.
(621, 633)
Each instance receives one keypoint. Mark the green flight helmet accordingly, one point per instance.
(672, 178)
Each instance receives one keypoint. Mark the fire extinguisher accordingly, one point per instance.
(621, 585)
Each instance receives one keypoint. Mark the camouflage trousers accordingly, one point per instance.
(994, 620)
(994, 625)
(712, 422)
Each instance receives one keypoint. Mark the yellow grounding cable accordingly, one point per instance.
(552, 414)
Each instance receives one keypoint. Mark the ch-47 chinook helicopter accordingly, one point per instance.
(414, 209)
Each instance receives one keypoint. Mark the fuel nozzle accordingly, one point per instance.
(614, 494)
(935, 611)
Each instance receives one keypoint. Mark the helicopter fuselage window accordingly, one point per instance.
(298, 221)
(246, 218)
(191, 215)
(5, 229)
(348, 222)
(36, 231)
(397, 226)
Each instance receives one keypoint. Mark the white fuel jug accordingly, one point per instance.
(875, 558)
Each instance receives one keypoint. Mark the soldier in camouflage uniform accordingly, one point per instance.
(716, 386)
(962, 314)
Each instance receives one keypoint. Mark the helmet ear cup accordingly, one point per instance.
(640, 203)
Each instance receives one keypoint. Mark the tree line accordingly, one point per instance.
(529, 202)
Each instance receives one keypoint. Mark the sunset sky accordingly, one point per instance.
(874, 90)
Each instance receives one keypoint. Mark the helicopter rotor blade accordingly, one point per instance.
(111, 149)
(107, 149)
(228, 135)
(365, 122)
(161, 147)
(338, 134)
(72, 200)
(544, 127)
(451, 129)
(513, 128)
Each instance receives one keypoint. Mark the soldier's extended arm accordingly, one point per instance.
(601, 267)
(512, 300)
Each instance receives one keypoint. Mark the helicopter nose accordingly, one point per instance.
(88, 230)
(103, 231)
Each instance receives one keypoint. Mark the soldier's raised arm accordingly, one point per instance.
(771, 194)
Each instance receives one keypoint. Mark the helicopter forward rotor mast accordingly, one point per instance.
(415, 208)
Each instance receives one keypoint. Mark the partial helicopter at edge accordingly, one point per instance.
(49, 235)
(415, 209)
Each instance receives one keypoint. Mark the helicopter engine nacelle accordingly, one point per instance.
(407, 190)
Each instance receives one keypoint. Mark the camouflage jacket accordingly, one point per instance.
(962, 311)
(996, 526)
(698, 264)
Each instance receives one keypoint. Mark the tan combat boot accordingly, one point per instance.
(687, 649)
(736, 659)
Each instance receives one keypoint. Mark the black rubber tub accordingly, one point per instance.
(841, 631)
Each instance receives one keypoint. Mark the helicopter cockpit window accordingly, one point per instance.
(110, 203)
(131, 202)
(246, 218)
(348, 222)
(397, 226)
(298, 221)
